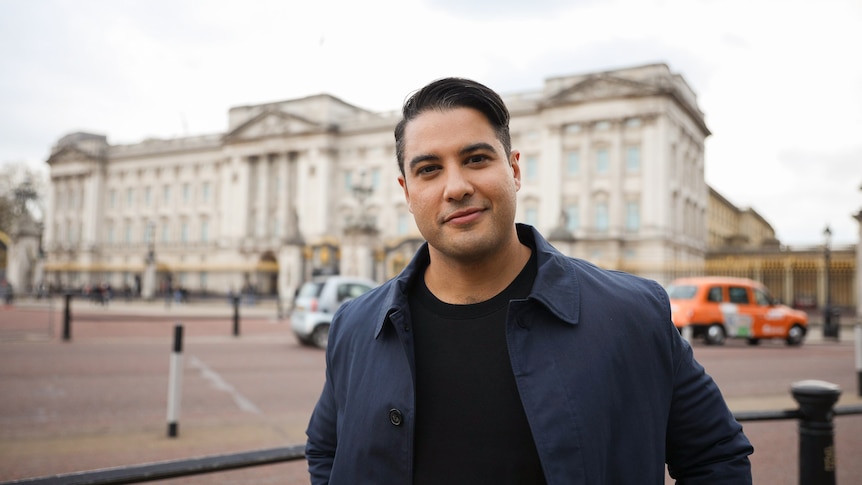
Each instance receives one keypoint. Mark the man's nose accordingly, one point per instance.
(458, 184)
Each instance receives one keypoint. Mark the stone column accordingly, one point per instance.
(357, 252)
(279, 198)
(552, 170)
(261, 203)
(148, 280)
(22, 254)
(290, 273)
(291, 262)
(858, 217)
(788, 281)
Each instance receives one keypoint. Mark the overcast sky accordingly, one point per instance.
(780, 82)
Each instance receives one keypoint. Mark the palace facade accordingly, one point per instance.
(612, 168)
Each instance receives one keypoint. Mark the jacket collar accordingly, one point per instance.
(555, 287)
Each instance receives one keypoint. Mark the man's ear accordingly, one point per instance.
(514, 161)
(403, 183)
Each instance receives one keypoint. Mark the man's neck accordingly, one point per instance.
(461, 283)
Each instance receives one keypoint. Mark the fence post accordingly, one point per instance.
(67, 318)
(858, 335)
(175, 384)
(236, 316)
(816, 430)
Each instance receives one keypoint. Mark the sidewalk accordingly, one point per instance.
(211, 307)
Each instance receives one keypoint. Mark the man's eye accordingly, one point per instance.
(476, 158)
(426, 169)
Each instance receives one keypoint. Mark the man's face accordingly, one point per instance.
(458, 183)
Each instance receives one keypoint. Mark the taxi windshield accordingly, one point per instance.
(681, 292)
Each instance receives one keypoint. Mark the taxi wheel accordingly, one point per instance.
(795, 335)
(320, 336)
(714, 334)
(754, 341)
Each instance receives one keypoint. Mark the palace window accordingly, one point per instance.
(531, 216)
(573, 217)
(633, 216)
(602, 161)
(633, 158)
(403, 223)
(531, 169)
(573, 163)
(601, 217)
(633, 123)
(573, 128)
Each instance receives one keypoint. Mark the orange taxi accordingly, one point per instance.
(717, 307)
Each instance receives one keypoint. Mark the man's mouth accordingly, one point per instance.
(463, 216)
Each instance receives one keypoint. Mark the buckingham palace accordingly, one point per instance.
(612, 168)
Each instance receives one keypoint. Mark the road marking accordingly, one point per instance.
(220, 384)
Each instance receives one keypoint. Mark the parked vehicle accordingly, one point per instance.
(717, 308)
(316, 302)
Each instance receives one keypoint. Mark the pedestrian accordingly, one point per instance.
(492, 357)
(7, 293)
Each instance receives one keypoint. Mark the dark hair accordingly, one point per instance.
(450, 93)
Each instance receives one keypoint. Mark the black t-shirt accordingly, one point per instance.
(470, 424)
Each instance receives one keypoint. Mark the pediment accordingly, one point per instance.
(71, 154)
(272, 123)
(603, 87)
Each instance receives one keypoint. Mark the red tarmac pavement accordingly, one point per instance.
(100, 399)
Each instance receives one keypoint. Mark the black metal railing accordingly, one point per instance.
(148, 472)
(816, 445)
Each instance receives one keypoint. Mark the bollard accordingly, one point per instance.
(859, 358)
(67, 318)
(816, 430)
(236, 316)
(175, 383)
(686, 333)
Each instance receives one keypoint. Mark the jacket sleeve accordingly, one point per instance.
(705, 444)
(322, 436)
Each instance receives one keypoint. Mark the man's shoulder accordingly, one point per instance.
(593, 277)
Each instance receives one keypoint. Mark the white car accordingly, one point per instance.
(316, 302)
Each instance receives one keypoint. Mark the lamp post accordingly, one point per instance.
(830, 329)
(360, 231)
(148, 286)
(361, 191)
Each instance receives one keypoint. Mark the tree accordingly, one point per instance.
(22, 189)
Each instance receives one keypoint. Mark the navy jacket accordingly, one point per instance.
(610, 389)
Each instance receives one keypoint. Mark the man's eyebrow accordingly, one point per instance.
(422, 158)
(475, 147)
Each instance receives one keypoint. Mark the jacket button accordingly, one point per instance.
(395, 417)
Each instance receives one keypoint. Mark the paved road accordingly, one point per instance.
(100, 400)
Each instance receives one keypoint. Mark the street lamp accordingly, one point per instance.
(362, 190)
(148, 284)
(830, 329)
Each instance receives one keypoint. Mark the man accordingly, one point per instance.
(493, 358)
